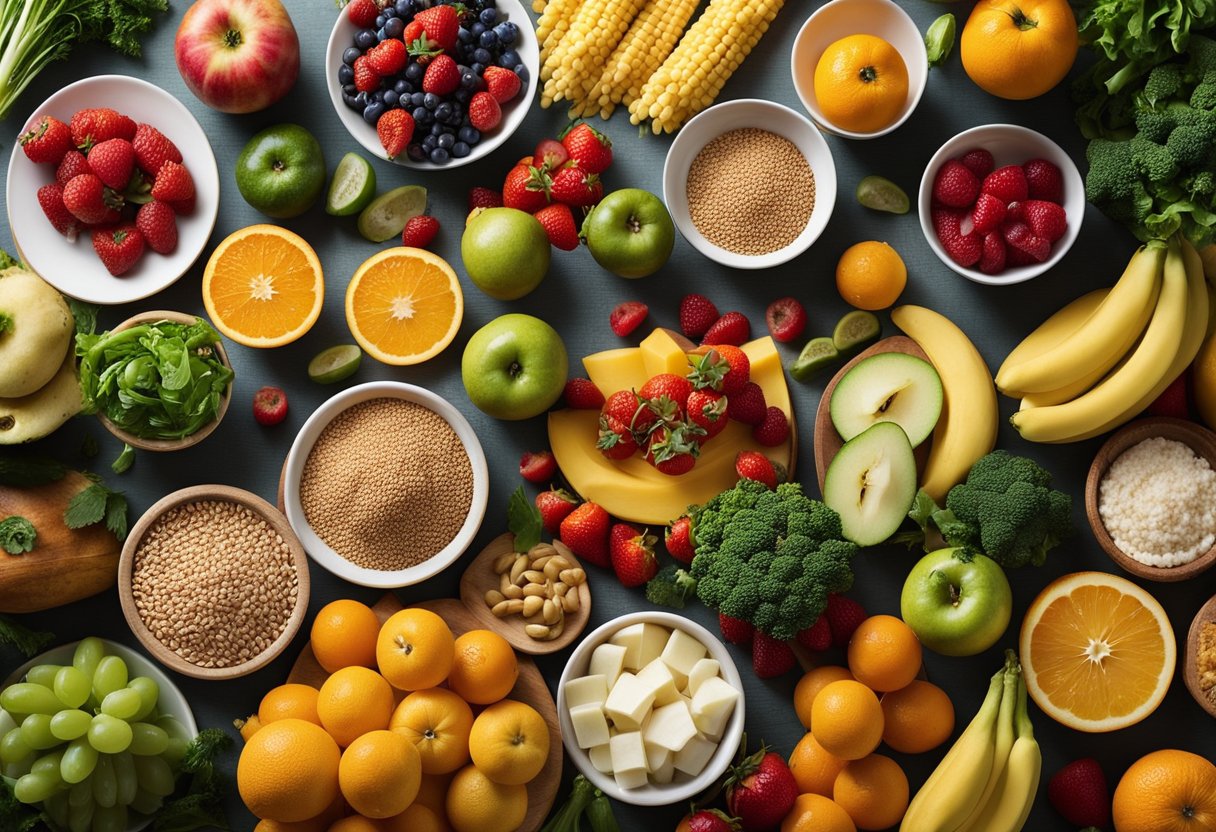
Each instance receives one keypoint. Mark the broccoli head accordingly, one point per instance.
(1163, 83)
(1152, 160)
(1203, 97)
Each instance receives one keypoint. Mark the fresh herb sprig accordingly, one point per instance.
(95, 504)
(199, 805)
(25, 641)
(523, 520)
(17, 535)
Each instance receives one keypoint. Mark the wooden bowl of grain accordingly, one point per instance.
(1200, 441)
(1199, 662)
(213, 582)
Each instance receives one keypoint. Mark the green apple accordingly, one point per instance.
(506, 252)
(630, 233)
(514, 367)
(957, 605)
(281, 171)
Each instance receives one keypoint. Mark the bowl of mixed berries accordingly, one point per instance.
(432, 83)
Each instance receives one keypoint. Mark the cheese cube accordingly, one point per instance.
(671, 727)
(642, 642)
(631, 779)
(658, 677)
(712, 705)
(607, 660)
(588, 690)
(702, 670)
(665, 773)
(590, 726)
(692, 758)
(628, 753)
(656, 755)
(628, 703)
(681, 652)
(601, 758)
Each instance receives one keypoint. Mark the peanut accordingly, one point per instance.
(503, 562)
(494, 598)
(535, 589)
(574, 577)
(561, 562)
(505, 608)
(504, 581)
(513, 592)
(551, 611)
(541, 562)
(552, 571)
(570, 602)
(538, 631)
(534, 577)
(560, 589)
(533, 604)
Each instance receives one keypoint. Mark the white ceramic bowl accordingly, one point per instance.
(734, 115)
(73, 267)
(513, 113)
(1009, 144)
(682, 788)
(841, 18)
(302, 446)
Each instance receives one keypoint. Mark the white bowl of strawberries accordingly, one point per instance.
(1001, 204)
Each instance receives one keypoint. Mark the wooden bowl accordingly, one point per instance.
(1190, 666)
(126, 595)
(1198, 439)
(199, 435)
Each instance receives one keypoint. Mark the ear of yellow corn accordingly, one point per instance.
(578, 60)
(538, 6)
(551, 27)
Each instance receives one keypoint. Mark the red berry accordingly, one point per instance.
(442, 76)
(964, 249)
(555, 506)
(707, 410)
(771, 658)
(484, 112)
(269, 406)
(526, 188)
(735, 630)
(47, 140)
(590, 148)
(992, 261)
(501, 83)
(1044, 180)
(1173, 400)
(419, 231)
(753, 465)
(678, 540)
(97, 124)
(775, 428)
(153, 149)
(732, 328)
(1046, 219)
(550, 154)
(748, 405)
(158, 223)
(818, 636)
(366, 77)
(112, 161)
(1007, 184)
(786, 319)
(480, 197)
(537, 467)
(173, 183)
(576, 187)
(72, 165)
(388, 58)
(90, 201)
(395, 130)
(697, 315)
(362, 13)
(844, 616)
(50, 198)
(1079, 792)
(559, 224)
(1019, 235)
(119, 247)
(988, 213)
(955, 186)
(979, 161)
(441, 23)
(582, 394)
(627, 317)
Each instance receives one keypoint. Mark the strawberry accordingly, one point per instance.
(173, 183)
(419, 231)
(484, 112)
(47, 140)
(588, 147)
(1044, 180)
(1173, 400)
(157, 222)
(560, 227)
(673, 448)
(748, 405)
(817, 637)
(988, 213)
(697, 315)
(72, 165)
(753, 465)
(707, 410)
(1007, 184)
(388, 57)
(555, 506)
(723, 368)
(269, 406)
(480, 197)
(585, 532)
(153, 149)
(667, 385)
(50, 198)
(119, 247)
(501, 83)
(537, 467)
(97, 124)
(625, 317)
(362, 13)
(732, 328)
(112, 161)
(582, 394)
(992, 261)
(964, 249)
(1046, 219)
(786, 319)
(442, 76)
(440, 24)
(761, 790)
(1019, 235)
(708, 820)
(366, 79)
(979, 161)
(774, 430)
(395, 130)
(576, 187)
(678, 540)
(1017, 257)
(90, 201)
(736, 630)
(414, 31)
(1079, 792)
(770, 658)
(955, 186)
(615, 440)
(550, 154)
(630, 411)
(844, 615)
(632, 554)
(739, 368)
(526, 188)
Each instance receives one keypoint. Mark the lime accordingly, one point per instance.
(386, 215)
(352, 188)
(817, 354)
(855, 329)
(335, 363)
(880, 194)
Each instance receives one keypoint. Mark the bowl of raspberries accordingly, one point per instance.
(1001, 204)
(430, 84)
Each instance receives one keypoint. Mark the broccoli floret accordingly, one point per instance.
(1111, 171)
(1201, 55)
(671, 587)
(1164, 83)
(1151, 159)
(1201, 184)
(1155, 124)
(1189, 144)
(1203, 97)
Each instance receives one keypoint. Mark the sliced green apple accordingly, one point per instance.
(871, 483)
(888, 387)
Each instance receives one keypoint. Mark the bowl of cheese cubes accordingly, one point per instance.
(651, 708)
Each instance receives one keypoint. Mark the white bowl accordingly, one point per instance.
(318, 550)
(734, 115)
(1009, 144)
(513, 113)
(841, 18)
(73, 267)
(683, 788)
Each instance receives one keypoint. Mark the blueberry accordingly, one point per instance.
(404, 7)
(488, 17)
(421, 115)
(430, 143)
(431, 101)
(350, 89)
(522, 72)
(380, 34)
(439, 156)
(417, 98)
(377, 95)
(350, 101)
(401, 87)
(414, 72)
(468, 79)
(469, 135)
(476, 29)
(379, 21)
(443, 112)
(373, 111)
(463, 35)
(415, 152)
(488, 39)
(457, 118)
(460, 150)
(478, 68)
(391, 99)
(346, 75)
(483, 56)
(352, 54)
(463, 95)
(366, 39)
(447, 141)
(394, 27)
(507, 32)
(509, 59)
(362, 99)
(389, 13)
(437, 129)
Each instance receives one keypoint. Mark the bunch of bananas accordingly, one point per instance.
(988, 779)
(1105, 357)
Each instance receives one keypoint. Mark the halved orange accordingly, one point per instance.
(404, 305)
(1097, 651)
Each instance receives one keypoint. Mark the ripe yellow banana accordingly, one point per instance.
(1005, 735)
(1011, 803)
(967, 427)
(1102, 340)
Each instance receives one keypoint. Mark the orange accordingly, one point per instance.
(288, 771)
(417, 818)
(509, 742)
(475, 803)
(352, 702)
(355, 823)
(344, 634)
(861, 83)
(415, 649)
(320, 823)
(263, 286)
(848, 719)
(816, 813)
(433, 793)
(1166, 791)
(404, 305)
(485, 667)
(1097, 651)
(813, 768)
(248, 726)
(884, 653)
(874, 791)
(871, 275)
(1018, 50)
(379, 774)
(289, 702)
(437, 722)
(917, 718)
(813, 681)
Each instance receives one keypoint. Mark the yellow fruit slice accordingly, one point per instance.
(404, 305)
(1098, 652)
(263, 286)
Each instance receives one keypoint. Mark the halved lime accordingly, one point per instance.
(387, 214)
(335, 363)
(352, 188)
(881, 194)
(817, 354)
(856, 329)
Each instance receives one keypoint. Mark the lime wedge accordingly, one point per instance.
(387, 214)
(335, 363)
(855, 329)
(352, 188)
(880, 194)
(817, 354)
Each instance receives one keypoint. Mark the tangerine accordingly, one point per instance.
(509, 742)
(344, 635)
(917, 718)
(871, 275)
(861, 83)
(816, 813)
(437, 722)
(874, 791)
(814, 769)
(288, 771)
(379, 774)
(884, 653)
(475, 803)
(289, 701)
(354, 701)
(848, 719)
(808, 687)
(415, 649)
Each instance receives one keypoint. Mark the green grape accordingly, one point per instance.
(13, 747)
(146, 803)
(36, 731)
(109, 735)
(56, 808)
(154, 775)
(20, 768)
(48, 765)
(72, 687)
(175, 751)
(35, 788)
(110, 675)
(149, 694)
(125, 777)
(42, 674)
(7, 722)
(68, 725)
(81, 793)
(110, 819)
(89, 652)
(28, 698)
(124, 704)
(105, 786)
(80, 816)
(148, 739)
(78, 761)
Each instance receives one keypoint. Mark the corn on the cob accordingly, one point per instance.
(538, 6)
(551, 28)
(579, 59)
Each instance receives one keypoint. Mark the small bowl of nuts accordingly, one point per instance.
(538, 600)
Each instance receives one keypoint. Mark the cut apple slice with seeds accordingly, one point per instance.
(871, 483)
(888, 387)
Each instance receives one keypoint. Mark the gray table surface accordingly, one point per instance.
(576, 298)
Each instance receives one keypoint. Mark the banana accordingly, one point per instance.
(1102, 340)
(1005, 737)
(967, 427)
(1011, 803)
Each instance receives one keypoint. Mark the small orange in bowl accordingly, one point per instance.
(861, 82)
(415, 649)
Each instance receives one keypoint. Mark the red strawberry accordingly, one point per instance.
(526, 188)
(484, 112)
(669, 386)
(1019, 235)
(576, 187)
(844, 615)
(362, 13)
(72, 165)
(753, 465)
(964, 249)
(550, 154)
(786, 319)
(153, 149)
(732, 328)
(632, 554)
(1017, 257)
(419, 231)
(736, 630)
(988, 213)
(112, 161)
(395, 130)
(90, 201)
(770, 658)
(1046, 219)
(158, 223)
(719, 368)
(269, 406)
(555, 506)
(50, 197)
(98, 124)
(992, 261)
(1079, 793)
(366, 79)
(673, 449)
(442, 76)
(440, 24)
(627, 316)
(537, 467)
(561, 228)
(582, 394)
(173, 183)
(817, 637)
(761, 790)
(480, 197)
(119, 247)
(388, 58)
(630, 411)
(707, 410)
(955, 185)
(1044, 180)
(678, 540)
(47, 140)
(585, 530)
(774, 430)
(1007, 184)
(590, 148)
(413, 31)
(748, 405)
(1173, 400)
(615, 440)
(735, 379)
(697, 315)
(503, 84)
(709, 820)
(979, 161)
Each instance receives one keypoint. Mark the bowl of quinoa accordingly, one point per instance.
(386, 484)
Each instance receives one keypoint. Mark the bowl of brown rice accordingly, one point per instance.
(386, 484)
(750, 184)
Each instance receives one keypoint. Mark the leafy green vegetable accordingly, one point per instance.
(24, 640)
(939, 39)
(17, 535)
(7, 261)
(96, 503)
(671, 587)
(200, 804)
(1133, 36)
(124, 461)
(523, 520)
(85, 315)
(28, 471)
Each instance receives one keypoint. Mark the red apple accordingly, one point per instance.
(238, 56)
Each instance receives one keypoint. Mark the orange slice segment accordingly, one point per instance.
(1098, 652)
(404, 305)
(263, 286)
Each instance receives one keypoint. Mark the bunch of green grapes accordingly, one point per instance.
(88, 742)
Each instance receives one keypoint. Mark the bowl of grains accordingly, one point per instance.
(725, 208)
(386, 484)
(1199, 663)
(213, 582)
(1151, 499)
